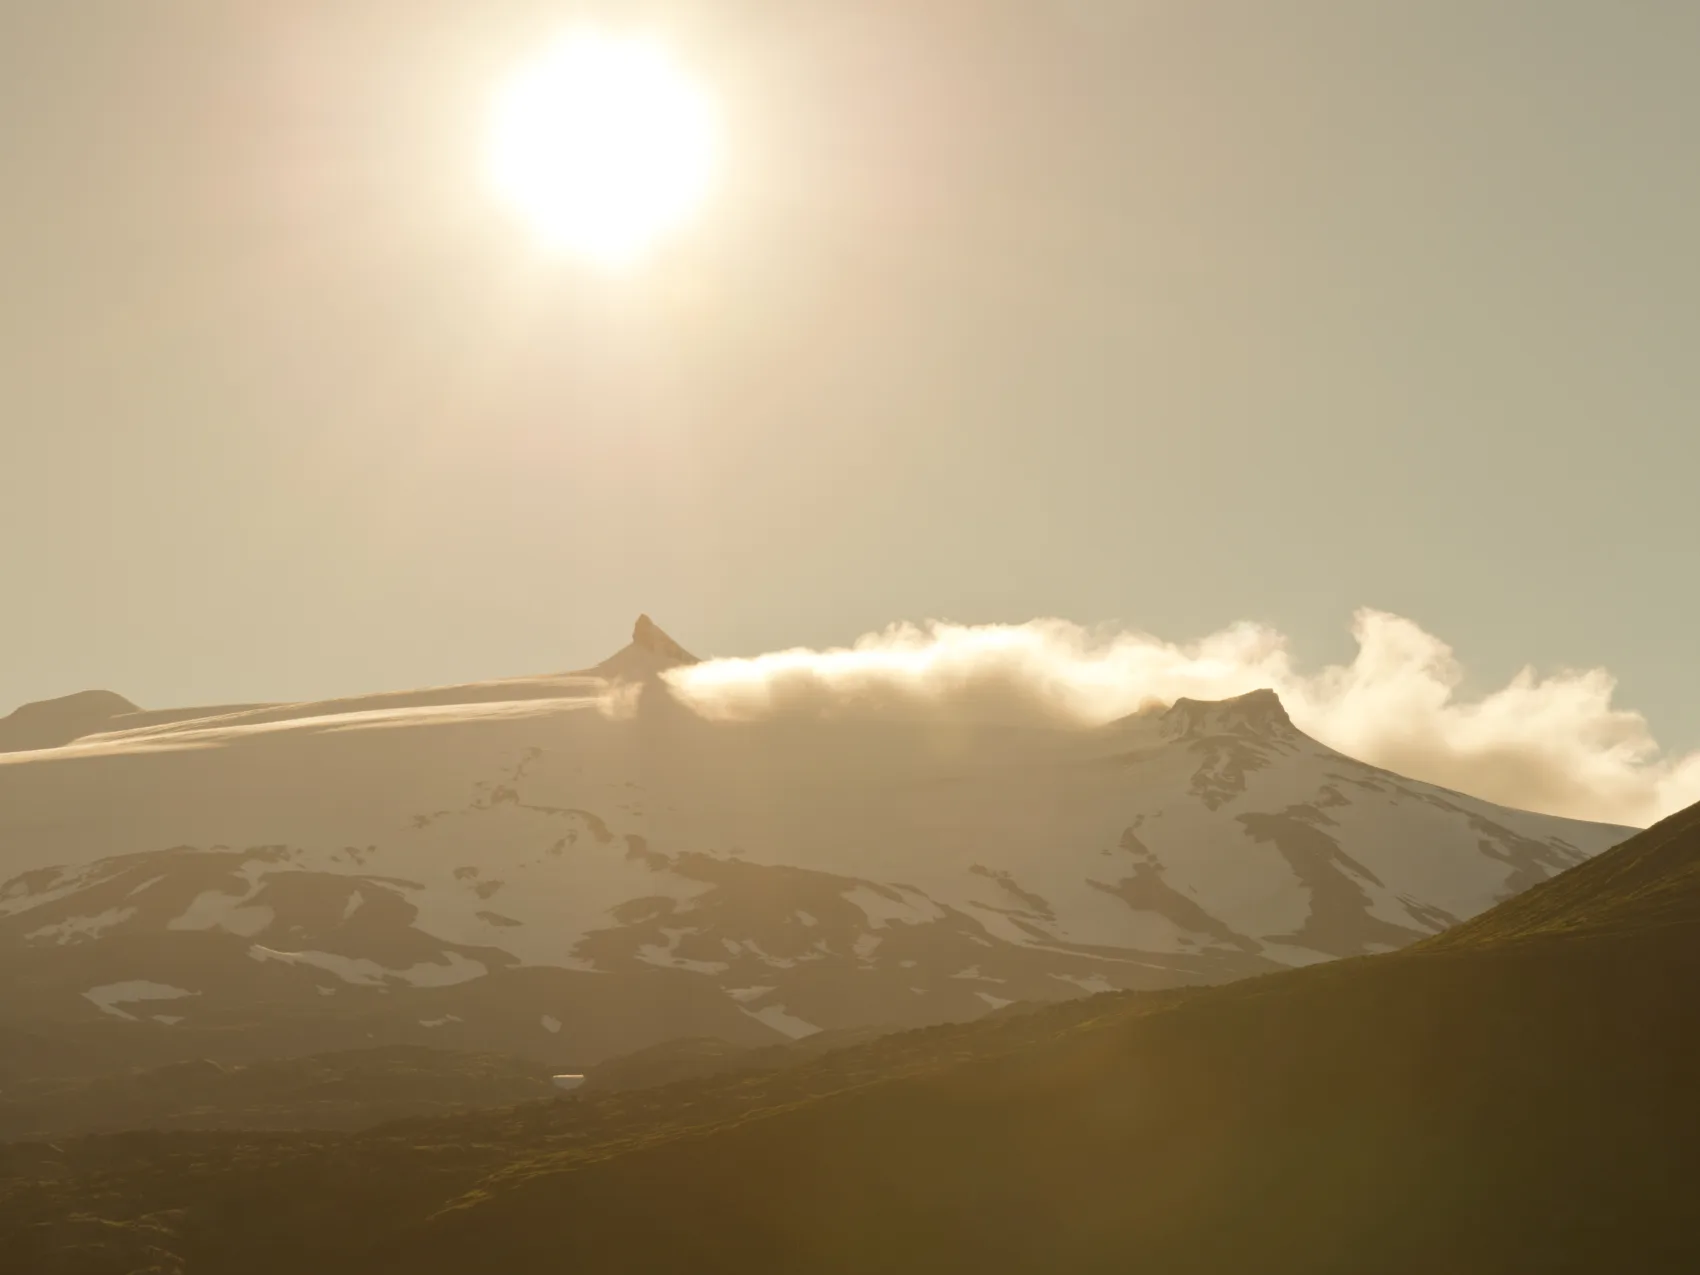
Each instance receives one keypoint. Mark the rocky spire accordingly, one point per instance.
(650, 651)
(646, 633)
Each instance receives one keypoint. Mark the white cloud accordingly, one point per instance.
(1553, 743)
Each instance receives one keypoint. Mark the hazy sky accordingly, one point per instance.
(1171, 313)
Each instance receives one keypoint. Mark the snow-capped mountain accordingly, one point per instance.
(578, 865)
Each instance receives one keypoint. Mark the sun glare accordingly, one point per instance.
(604, 145)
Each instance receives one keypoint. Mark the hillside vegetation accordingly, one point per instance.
(1514, 1096)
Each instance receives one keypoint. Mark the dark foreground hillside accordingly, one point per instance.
(1517, 1096)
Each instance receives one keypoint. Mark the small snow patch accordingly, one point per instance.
(754, 949)
(550, 1023)
(213, 910)
(748, 993)
(361, 972)
(1087, 982)
(666, 957)
(76, 928)
(20, 898)
(776, 1017)
(996, 1002)
(109, 996)
(910, 907)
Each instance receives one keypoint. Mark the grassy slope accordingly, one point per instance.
(290, 1202)
(1516, 1096)
(1641, 888)
(1531, 1111)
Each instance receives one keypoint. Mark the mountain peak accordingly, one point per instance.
(650, 651)
(1256, 714)
(646, 633)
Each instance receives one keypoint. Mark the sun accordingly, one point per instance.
(604, 145)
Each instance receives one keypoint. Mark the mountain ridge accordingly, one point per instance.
(512, 865)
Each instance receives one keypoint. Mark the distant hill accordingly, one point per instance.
(1515, 1097)
(348, 1090)
(50, 723)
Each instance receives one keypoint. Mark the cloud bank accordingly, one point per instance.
(1553, 744)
